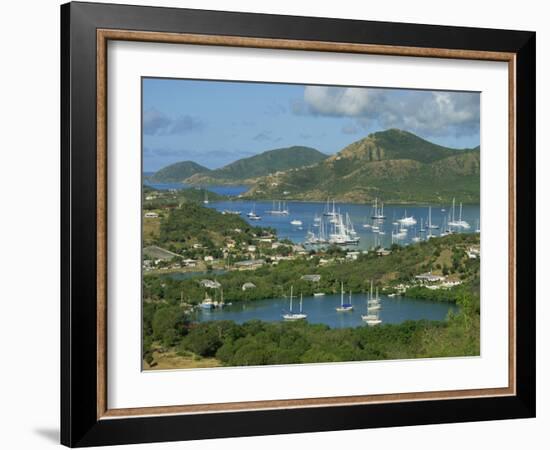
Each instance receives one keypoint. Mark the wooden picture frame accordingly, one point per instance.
(86, 418)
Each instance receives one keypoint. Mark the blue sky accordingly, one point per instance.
(216, 122)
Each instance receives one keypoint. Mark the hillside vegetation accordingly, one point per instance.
(268, 162)
(191, 224)
(169, 328)
(242, 170)
(394, 165)
(175, 173)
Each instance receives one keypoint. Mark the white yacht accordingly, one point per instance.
(294, 316)
(344, 307)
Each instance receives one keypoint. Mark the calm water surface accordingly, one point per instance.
(221, 190)
(360, 214)
(321, 310)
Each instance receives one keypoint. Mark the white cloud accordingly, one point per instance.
(434, 113)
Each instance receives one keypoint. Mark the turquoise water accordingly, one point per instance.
(321, 310)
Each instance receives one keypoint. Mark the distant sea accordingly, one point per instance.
(221, 189)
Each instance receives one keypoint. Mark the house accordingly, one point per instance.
(210, 284)
(151, 215)
(383, 252)
(247, 286)
(250, 264)
(313, 278)
(450, 284)
(251, 248)
(208, 258)
(429, 277)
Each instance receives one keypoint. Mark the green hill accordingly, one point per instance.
(394, 165)
(395, 144)
(271, 161)
(177, 172)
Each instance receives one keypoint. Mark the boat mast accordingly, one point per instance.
(342, 294)
(453, 217)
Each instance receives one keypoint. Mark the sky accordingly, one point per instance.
(214, 123)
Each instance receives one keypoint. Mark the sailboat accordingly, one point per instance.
(329, 213)
(205, 201)
(462, 223)
(252, 214)
(281, 210)
(372, 317)
(294, 316)
(407, 220)
(344, 307)
(343, 233)
(373, 306)
(478, 230)
(378, 212)
(399, 233)
(422, 230)
(431, 226)
(374, 303)
(207, 303)
(453, 222)
(446, 231)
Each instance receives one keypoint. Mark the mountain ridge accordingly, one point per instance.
(395, 165)
(250, 168)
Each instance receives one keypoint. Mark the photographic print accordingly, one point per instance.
(294, 224)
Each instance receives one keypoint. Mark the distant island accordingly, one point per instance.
(242, 170)
(394, 165)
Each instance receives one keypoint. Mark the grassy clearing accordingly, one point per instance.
(151, 230)
(172, 360)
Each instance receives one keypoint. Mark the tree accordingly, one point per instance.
(168, 318)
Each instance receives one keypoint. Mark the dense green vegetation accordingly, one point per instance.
(191, 224)
(262, 164)
(259, 343)
(175, 173)
(159, 199)
(274, 281)
(168, 324)
(394, 165)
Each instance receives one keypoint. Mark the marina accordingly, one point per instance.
(351, 224)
